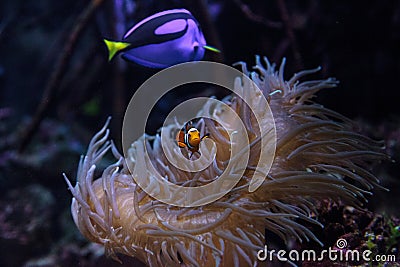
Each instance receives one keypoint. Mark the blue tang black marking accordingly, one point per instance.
(162, 40)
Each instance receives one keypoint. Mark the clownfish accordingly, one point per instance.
(162, 40)
(189, 137)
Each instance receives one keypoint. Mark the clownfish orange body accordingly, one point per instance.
(189, 137)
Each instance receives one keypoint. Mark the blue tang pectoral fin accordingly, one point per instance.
(115, 47)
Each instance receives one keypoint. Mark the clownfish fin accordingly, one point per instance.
(188, 125)
(211, 48)
(181, 144)
(198, 152)
(205, 136)
(114, 47)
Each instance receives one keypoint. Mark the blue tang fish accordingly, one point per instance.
(162, 40)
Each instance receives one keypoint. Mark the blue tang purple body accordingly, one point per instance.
(162, 40)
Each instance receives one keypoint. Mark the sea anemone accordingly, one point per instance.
(318, 156)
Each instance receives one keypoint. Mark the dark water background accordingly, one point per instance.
(52, 57)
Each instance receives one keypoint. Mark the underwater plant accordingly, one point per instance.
(318, 156)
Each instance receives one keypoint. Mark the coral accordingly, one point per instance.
(25, 223)
(362, 230)
(318, 156)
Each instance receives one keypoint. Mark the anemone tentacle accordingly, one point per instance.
(318, 156)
